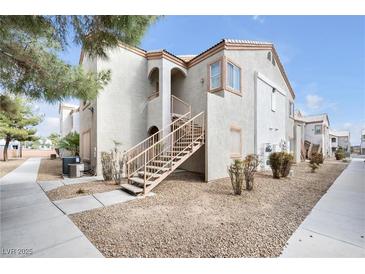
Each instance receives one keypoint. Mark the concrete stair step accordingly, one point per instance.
(148, 174)
(160, 162)
(163, 169)
(139, 182)
(132, 189)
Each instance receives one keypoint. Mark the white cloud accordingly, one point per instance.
(258, 18)
(314, 102)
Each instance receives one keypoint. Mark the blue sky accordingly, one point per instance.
(324, 57)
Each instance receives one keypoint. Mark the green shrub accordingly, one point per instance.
(236, 173)
(250, 164)
(340, 154)
(275, 160)
(286, 163)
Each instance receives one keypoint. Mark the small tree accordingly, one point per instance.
(250, 164)
(71, 142)
(275, 160)
(17, 121)
(55, 139)
(236, 173)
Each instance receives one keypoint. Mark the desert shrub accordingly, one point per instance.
(107, 165)
(313, 166)
(275, 160)
(80, 191)
(250, 164)
(340, 154)
(286, 163)
(236, 173)
(317, 158)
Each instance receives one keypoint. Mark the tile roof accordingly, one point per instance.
(312, 118)
(340, 133)
(248, 42)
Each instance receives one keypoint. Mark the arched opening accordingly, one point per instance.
(152, 131)
(177, 80)
(154, 88)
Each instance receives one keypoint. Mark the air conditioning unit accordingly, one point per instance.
(76, 170)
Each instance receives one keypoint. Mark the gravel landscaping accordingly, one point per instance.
(50, 170)
(82, 189)
(10, 165)
(190, 218)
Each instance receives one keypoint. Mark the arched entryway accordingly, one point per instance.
(154, 88)
(152, 131)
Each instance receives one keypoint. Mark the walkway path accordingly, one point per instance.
(336, 225)
(31, 225)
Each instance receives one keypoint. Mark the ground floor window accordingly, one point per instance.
(236, 142)
(86, 149)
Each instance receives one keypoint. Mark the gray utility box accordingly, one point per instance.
(76, 170)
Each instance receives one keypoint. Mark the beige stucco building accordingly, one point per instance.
(340, 139)
(315, 134)
(229, 101)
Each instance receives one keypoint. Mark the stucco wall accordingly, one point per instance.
(87, 117)
(122, 105)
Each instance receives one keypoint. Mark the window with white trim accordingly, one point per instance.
(318, 129)
(233, 77)
(215, 75)
(291, 109)
(235, 141)
(273, 99)
(269, 55)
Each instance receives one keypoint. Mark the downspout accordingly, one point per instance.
(255, 112)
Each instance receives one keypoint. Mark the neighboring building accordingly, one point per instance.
(13, 149)
(340, 139)
(315, 134)
(362, 144)
(237, 91)
(69, 119)
(355, 149)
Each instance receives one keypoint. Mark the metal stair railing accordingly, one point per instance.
(191, 131)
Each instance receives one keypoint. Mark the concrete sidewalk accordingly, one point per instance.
(31, 225)
(336, 225)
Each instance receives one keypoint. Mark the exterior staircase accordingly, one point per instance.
(152, 160)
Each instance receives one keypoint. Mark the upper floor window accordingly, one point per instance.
(333, 140)
(363, 137)
(269, 56)
(291, 109)
(215, 75)
(273, 99)
(233, 77)
(318, 129)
